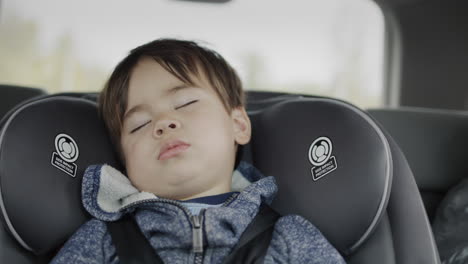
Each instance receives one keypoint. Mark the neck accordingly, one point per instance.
(213, 191)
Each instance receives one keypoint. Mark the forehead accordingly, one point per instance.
(149, 80)
(149, 74)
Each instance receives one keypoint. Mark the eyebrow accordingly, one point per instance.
(170, 91)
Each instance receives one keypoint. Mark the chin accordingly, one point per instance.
(180, 180)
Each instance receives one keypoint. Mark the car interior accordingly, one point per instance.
(390, 164)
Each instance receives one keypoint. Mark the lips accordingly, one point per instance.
(172, 149)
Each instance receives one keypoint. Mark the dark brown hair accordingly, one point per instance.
(181, 58)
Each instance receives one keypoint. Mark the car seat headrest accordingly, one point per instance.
(45, 146)
(332, 164)
(443, 151)
(11, 95)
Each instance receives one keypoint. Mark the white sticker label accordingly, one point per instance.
(320, 155)
(66, 153)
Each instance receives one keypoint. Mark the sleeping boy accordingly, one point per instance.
(175, 113)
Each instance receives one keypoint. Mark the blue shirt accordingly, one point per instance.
(197, 204)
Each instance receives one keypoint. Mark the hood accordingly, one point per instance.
(107, 194)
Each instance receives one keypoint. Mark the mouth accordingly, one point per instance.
(172, 149)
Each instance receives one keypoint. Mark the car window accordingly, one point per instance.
(316, 47)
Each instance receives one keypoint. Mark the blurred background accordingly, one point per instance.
(318, 47)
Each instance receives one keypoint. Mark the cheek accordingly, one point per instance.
(134, 152)
(137, 162)
(215, 129)
(136, 143)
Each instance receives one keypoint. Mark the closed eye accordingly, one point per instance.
(187, 104)
(138, 127)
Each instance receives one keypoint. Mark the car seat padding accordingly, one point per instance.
(41, 168)
(347, 203)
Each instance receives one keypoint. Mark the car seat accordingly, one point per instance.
(11, 95)
(435, 143)
(332, 162)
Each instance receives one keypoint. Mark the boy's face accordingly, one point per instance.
(178, 140)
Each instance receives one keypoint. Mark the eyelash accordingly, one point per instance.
(137, 128)
(184, 105)
(187, 104)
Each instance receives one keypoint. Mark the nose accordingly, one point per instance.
(165, 126)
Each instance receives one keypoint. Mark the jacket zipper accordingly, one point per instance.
(195, 220)
(230, 199)
(197, 236)
(197, 233)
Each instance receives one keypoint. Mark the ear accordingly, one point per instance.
(241, 125)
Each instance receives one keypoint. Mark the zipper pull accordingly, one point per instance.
(197, 233)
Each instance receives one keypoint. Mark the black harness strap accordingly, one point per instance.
(253, 243)
(132, 247)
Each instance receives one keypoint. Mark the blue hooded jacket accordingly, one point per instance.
(168, 225)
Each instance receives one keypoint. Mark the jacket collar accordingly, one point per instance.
(107, 193)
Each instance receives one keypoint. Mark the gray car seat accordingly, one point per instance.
(39, 176)
(11, 95)
(332, 162)
(435, 143)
